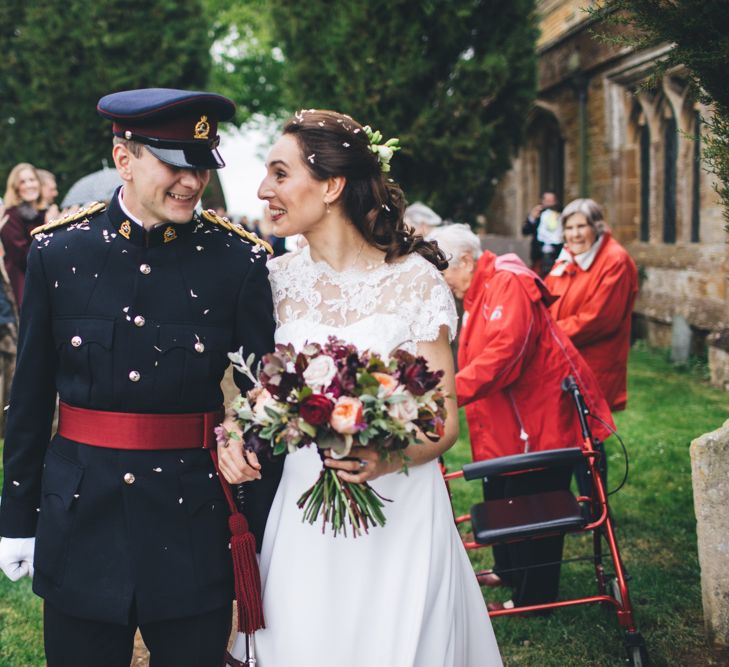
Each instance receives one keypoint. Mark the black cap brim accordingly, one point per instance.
(192, 157)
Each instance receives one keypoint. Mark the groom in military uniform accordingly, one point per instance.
(128, 316)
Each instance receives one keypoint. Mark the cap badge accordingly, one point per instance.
(169, 234)
(126, 229)
(202, 128)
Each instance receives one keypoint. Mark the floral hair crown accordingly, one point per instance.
(384, 152)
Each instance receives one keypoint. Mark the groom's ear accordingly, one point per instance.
(335, 187)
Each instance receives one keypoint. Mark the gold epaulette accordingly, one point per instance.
(87, 212)
(212, 216)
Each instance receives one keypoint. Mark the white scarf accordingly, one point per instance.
(584, 260)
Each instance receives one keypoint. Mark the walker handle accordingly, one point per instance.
(569, 384)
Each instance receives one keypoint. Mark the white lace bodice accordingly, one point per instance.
(382, 308)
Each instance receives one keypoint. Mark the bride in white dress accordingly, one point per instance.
(405, 594)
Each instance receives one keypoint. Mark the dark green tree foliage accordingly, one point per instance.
(247, 66)
(454, 80)
(699, 29)
(61, 57)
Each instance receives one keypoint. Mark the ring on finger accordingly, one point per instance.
(362, 464)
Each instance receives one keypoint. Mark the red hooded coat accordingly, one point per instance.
(594, 308)
(512, 359)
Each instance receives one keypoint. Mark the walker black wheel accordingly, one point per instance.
(636, 650)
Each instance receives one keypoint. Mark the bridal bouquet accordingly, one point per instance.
(334, 396)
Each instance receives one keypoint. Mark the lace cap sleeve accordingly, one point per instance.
(432, 305)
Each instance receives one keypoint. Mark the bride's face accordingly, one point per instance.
(295, 198)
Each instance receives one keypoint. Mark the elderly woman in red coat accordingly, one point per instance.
(596, 283)
(512, 358)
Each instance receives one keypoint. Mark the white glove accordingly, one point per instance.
(16, 556)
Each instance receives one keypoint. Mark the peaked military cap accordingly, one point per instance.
(179, 127)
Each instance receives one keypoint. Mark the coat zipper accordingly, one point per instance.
(523, 435)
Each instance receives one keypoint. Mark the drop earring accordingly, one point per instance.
(326, 203)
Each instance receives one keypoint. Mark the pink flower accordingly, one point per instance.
(262, 401)
(405, 410)
(347, 415)
(221, 435)
(320, 372)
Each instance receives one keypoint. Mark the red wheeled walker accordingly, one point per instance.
(553, 513)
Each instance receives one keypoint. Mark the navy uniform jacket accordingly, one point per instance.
(114, 323)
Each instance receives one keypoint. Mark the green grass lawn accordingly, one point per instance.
(656, 531)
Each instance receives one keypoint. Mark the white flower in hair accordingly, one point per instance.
(384, 152)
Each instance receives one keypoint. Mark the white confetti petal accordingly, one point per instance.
(157, 469)
(193, 295)
(16, 483)
(180, 501)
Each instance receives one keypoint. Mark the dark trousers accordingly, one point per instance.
(518, 563)
(195, 641)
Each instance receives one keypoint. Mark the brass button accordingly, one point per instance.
(129, 478)
(199, 347)
(76, 341)
(139, 321)
(134, 376)
(145, 269)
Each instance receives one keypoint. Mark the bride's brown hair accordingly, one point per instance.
(333, 144)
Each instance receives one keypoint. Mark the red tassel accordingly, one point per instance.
(246, 574)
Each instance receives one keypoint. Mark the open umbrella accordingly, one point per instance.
(97, 186)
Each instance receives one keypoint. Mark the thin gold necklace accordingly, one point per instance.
(356, 258)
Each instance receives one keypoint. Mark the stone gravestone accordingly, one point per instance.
(680, 340)
(718, 344)
(710, 476)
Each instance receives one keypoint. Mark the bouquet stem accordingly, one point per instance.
(342, 504)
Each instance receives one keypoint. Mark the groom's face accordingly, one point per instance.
(295, 198)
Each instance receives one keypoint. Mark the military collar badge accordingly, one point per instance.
(126, 229)
(169, 234)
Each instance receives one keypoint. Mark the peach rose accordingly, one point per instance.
(347, 415)
(388, 384)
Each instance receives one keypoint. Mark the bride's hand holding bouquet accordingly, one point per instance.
(361, 410)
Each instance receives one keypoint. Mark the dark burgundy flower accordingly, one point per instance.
(414, 374)
(316, 409)
(253, 443)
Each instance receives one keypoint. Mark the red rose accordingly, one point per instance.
(316, 409)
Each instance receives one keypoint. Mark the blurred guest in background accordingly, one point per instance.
(543, 225)
(596, 283)
(49, 192)
(422, 218)
(512, 359)
(23, 208)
